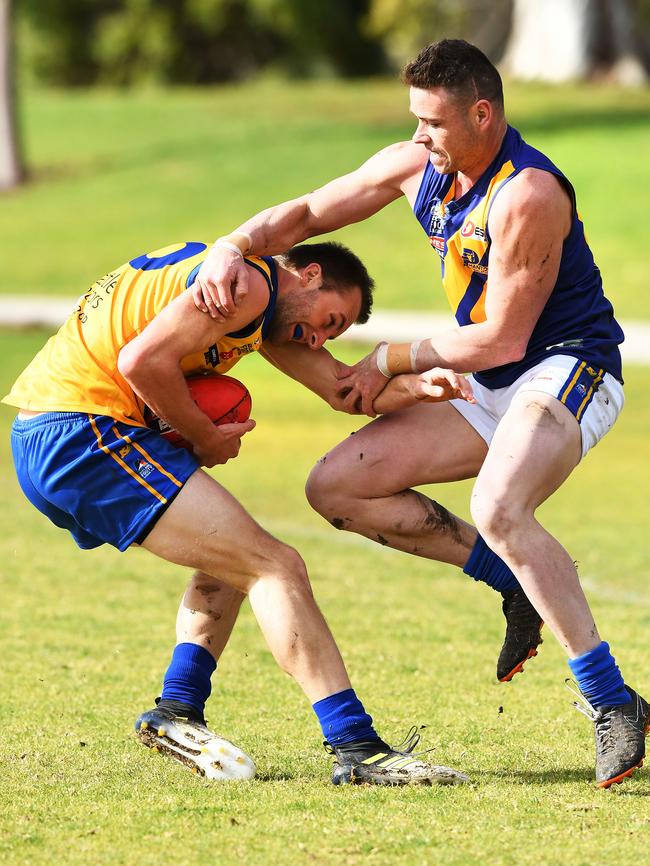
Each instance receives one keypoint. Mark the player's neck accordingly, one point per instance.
(288, 281)
(464, 180)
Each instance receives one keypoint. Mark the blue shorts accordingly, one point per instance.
(104, 481)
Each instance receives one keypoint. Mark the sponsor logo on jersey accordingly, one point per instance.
(238, 351)
(471, 230)
(214, 357)
(143, 468)
(437, 224)
(438, 244)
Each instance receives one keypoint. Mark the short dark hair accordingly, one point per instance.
(342, 270)
(457, 66)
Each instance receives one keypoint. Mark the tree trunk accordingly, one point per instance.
(561, 40)
(11, 171)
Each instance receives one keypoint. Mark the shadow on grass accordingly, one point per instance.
(564, 776)
(276, 776)
(125, 160)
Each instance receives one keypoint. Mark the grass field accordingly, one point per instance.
(115, 174)
(85, 638)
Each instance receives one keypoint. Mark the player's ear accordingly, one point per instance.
(483, 112)
(312, 273)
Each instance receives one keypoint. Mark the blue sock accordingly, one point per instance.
(187, 678)
(343, 719)
(599, 678)
(483, 564)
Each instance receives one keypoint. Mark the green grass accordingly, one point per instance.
(85, 636)
(115, 174)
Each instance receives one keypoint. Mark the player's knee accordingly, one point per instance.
(496, 516)
(325, 489)
(287, 565)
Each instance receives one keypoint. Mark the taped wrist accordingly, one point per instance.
(237, 242)
(396, 358)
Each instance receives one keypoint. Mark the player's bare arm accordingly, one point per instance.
(528, 224)
(386, 176)
(151, 365)
(431, 386)
(320, 372)
(317, 370)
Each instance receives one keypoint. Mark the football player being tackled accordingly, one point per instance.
(86, 459)
(535, 328)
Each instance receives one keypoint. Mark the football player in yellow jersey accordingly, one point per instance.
(85, 459)
(539, 337)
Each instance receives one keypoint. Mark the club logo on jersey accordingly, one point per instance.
(212, 356)
(471, 230)
(143, 468)
(581, 389)
(472, 261)
(439, 216)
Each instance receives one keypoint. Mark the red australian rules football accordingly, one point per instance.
(224, 400)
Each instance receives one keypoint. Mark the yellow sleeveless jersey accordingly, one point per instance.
(76, 371)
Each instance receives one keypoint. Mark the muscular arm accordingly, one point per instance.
(345, 200)
(320, 372)
(529, 220)
(317, 370)
(387, 175)
(151, 364)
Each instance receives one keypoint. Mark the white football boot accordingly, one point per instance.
(187, 739)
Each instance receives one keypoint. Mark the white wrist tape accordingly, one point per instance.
(249, 239)
(413, 354)
(382, 360)
(228, 246)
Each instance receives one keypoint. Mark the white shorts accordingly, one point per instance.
(594, 397)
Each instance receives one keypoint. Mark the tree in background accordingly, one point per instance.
(197, 41)
(203, 41)
(11, 170)
(405, 26)
(62, 50)
(560, 40)
(331, 36)
(183, 41)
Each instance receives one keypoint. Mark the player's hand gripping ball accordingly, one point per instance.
(223, 399)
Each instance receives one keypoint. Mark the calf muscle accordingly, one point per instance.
(207, 529)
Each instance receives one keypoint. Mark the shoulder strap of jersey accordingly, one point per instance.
(265, 265)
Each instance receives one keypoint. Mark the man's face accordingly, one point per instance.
(447, 128)
(310, 315)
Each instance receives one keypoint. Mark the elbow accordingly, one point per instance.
(506, 350)
(514, 353)
(130, 363)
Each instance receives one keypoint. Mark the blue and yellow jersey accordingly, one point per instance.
(577, 320)
(76, 371)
